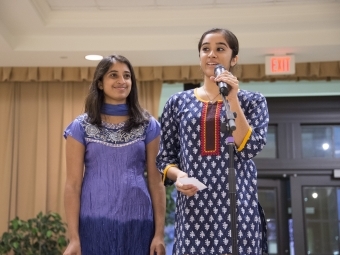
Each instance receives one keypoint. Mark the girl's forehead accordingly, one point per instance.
(214, 37)
(119, 66)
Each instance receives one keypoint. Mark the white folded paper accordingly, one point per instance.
(193, 181)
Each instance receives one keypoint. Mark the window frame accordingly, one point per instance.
(288, 114)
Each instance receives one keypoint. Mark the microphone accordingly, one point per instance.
(224, 90)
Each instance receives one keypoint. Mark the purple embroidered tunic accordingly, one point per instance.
(116, 215)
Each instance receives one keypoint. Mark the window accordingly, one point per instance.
(322, 219)
(270, 149)
(320, 141)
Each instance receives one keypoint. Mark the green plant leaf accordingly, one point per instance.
(15, 224)
(170, 206)
(49, 233)
(15, 245)
(42, 235)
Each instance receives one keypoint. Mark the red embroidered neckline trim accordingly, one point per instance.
(216, 126)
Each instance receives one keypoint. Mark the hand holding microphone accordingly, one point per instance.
(229, 83)
(224, 90)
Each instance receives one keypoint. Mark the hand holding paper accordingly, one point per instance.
(193, 181)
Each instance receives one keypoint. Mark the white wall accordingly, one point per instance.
(270, 89)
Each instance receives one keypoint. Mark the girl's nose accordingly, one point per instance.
(212, 54)
(121, 80)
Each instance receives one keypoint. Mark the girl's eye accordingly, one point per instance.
(220, 49)
(205, 49)
(114, 75)
(127, 76)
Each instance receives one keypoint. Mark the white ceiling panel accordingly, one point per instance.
(164, 32)
(64, 4)
(111, 4)
(184, 2)
(242, 2)
(85, 5)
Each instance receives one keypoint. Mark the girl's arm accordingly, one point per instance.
(74, 165)
(157, 192)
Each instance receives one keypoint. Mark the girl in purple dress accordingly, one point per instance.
(111, 208)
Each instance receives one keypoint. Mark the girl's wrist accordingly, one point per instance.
(181, 174)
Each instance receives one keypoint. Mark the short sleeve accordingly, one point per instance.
(169, 149)
(255, 109)
(153, 130)
(75, 130)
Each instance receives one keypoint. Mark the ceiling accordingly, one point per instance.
(164, 32)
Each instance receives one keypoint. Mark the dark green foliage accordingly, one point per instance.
(170, 214)
(43, 235)
(170, 206)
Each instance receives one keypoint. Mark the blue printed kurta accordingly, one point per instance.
(202, 222)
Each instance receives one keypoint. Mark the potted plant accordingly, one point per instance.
(42, 235)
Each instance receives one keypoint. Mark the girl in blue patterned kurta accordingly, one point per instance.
(192, 145)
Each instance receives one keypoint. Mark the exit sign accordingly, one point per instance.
(277, 65)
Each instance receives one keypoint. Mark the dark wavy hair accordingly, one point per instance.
(229, 36)
(95, 99)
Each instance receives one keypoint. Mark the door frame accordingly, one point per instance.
(282, 231)
(297, 183)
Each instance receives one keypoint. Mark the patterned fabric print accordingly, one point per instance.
(203, 221)
(107, 137)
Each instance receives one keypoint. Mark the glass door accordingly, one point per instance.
(274, 199)
(316, 215)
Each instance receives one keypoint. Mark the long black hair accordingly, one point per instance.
(95, 99)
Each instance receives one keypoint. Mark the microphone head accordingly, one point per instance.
(219, 69)
(222, 85)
